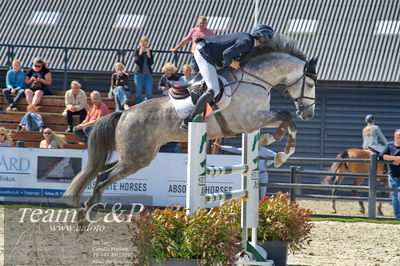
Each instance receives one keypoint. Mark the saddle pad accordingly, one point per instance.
(185, 106)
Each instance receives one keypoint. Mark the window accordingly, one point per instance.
(302, 25)
(129, 21)
(387, 27)
(218, 23)
(45, 18)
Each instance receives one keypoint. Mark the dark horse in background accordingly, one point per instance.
(139, 132)
(356, 168)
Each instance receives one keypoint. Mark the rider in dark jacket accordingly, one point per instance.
(221, 51)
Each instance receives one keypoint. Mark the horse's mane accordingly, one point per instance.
(276, 43)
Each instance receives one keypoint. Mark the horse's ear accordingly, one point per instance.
(314, 61)
(312, 65)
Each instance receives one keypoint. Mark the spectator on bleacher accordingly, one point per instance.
(97, 110)
(143, 71)
(52, 140)
(5, 137)
(187, 74)
(15, 85)
(38, 79)
(120, 86)
(167, 78)
(200, 31)
(31, 121)
(76, 104)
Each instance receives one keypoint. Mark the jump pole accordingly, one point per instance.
(197, 171)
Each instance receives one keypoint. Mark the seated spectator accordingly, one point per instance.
(15, 85)
(38, 80)
(31, 121)
(97, 110)
(5, 137)
(187, 74)
(76, 104)
(120, 86)
(143, 72)
(168, 77)
(52, 140)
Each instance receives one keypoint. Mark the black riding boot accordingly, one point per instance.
(199, 108)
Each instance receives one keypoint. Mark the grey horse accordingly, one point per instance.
(138, 133)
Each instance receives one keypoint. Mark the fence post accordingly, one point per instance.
(372, 187)
(65, 79)
(293, 179)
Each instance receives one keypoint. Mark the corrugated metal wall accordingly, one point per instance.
(345, 34)
(338, 122)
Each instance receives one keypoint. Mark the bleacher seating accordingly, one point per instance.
(51, 107)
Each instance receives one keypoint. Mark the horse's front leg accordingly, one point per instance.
(281, 157)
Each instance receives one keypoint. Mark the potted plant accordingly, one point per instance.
(283, 225)
(208, 237)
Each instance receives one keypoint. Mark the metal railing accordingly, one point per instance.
(87, 60)
(295, 172)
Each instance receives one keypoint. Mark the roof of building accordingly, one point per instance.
(355, 40)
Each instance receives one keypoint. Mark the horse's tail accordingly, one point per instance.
(100, 146)
(335, 167)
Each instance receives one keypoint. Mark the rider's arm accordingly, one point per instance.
(240, 48)
(381, 136)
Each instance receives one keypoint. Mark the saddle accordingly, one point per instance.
(194, 90)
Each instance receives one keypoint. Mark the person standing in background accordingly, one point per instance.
(144, 60)
(200, 31)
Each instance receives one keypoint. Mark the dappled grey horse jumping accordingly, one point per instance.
(138, 133)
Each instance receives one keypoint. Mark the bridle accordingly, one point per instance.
(283, 88)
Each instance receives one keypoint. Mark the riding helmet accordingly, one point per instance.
(370, 118)
(262, 29)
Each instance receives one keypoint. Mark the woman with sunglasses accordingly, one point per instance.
(5, 137)
(52, 140)
(38, 79)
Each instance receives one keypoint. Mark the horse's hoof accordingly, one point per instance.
(280, 159)
(81, 214)
(380, 212)
(362, 210)
(83, 225)
(266, 139)
(333, 211)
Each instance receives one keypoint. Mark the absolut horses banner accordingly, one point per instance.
(28, 174)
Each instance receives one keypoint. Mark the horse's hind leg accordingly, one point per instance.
(380, 212)
(104, 180)
(338, 181)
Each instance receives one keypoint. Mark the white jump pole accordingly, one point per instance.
(196, 167)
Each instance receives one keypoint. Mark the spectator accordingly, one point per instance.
(15, 85)
(143, 71)
(76, 104)
(5, 137)
(371, 134)
(187, 74)
(263, 164)
(38, 79)
(97, 110)
(31, 121)
(391, 152)
(120, 86)
(52, 140)
(195, 33)
(168, 77)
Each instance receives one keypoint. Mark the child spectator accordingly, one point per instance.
(76, 104)
(38, 79)
(31, 121)
(143, 72)
(97, 110)
(15, 85)
(52, 140)
(168, 77)
(5, 137)
(120, 86)
(187, 74)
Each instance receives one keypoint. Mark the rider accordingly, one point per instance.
(221, 51)
(371, 135)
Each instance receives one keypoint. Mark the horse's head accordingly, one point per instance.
(302, 90)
